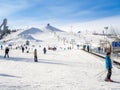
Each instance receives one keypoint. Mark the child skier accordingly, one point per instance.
(108, 63)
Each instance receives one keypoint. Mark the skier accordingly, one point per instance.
(35, 55)
(6, 52)
(44, 50)
(108, 63)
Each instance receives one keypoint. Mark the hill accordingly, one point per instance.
(31, 31)
(52, 29)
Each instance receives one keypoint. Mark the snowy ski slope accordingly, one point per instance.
(62, 69)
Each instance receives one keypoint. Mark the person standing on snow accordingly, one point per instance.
(6, 52)
(88, 48)
(35, 55)
(108, 63)
(22, 49)
(44, 50)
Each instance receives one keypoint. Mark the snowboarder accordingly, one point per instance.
(108, 63)
(44, 50)
(35, 55)
(6, 52)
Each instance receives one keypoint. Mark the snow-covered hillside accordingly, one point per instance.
(50, 28)
(63, 69)
(31, 31)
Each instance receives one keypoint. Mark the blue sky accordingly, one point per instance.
(28, 12)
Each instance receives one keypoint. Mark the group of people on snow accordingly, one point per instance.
(108, 61)
(6, 55)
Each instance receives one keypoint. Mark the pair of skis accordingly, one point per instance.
(99, 75)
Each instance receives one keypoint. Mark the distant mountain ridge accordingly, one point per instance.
(31, 31)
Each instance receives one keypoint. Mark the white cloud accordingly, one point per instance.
(31, 22)
(96, 25)
(9, 7)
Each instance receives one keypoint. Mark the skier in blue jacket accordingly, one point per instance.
(108, 63)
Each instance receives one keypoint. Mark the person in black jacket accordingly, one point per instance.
(22, 49)
(6, 52)
(44, 50)
(35, 55)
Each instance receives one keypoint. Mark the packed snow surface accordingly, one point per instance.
(59, 70)
(62, 69)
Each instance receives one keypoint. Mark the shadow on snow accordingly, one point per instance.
(46, 61)
(6, 75)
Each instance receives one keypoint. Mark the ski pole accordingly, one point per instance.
(100, 74)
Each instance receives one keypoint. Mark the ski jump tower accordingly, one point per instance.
(3, 28)
(4, 25)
